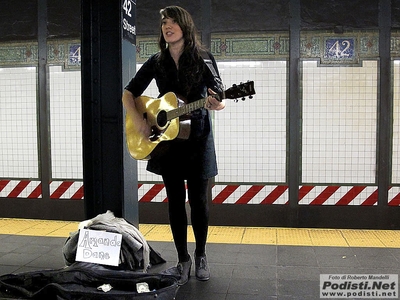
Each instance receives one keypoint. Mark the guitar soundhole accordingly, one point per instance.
(162, 118)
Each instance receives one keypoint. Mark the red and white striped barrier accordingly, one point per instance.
(338, 195)
(250, 194)
(20, 189)
(66, 190)
(345, 195)
(152, 193)
(269, 194)
(33, 189)
(394, 196)
(222, 194)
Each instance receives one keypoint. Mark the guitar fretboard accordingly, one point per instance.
(185, 109)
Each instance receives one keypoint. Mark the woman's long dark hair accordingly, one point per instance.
(191, 61)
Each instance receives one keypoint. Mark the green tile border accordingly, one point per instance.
(26, 54)
(275, 46)
(224, 46)
(253, 46)
(16, 53)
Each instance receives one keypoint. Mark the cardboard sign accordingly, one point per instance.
(99, 247)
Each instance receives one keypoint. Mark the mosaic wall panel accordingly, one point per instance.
(18, 54)
(348, 48)
(345, 49)
(232, 47)
(59, 52)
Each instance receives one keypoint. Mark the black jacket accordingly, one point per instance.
(194, 157)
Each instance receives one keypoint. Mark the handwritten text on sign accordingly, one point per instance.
(99, 247)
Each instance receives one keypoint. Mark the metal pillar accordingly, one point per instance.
(43, 104)
(385, 112)
(108, 62)
(294, 113)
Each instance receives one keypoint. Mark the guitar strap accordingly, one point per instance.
(209, 64)
(185, 123)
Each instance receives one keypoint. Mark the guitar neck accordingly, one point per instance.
(242, 90)
(185, 109)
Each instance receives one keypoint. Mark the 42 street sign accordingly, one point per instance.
(129, 20)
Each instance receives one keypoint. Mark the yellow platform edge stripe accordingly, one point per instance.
(226, 234)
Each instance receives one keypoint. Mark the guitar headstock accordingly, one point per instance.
(241, 90)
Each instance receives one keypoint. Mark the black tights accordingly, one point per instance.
(197, 194)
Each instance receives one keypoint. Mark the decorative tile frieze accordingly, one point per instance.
(15, 54)
(349, 48)
(345, 49)
(55, 53)
(12, 55)
(145, 48)
(330, 49)
(251, 46)
(395, 45)
(61, 52)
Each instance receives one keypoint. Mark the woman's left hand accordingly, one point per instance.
(212, 103)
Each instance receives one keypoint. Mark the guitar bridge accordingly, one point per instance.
(155, 134)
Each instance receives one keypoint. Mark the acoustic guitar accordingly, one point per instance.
(163, 116)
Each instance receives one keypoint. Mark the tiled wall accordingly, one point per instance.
(396, 123)
(339, 123)
(338, 127)
(250, 135)
(65, 123)
(18, 123)
(19, 118)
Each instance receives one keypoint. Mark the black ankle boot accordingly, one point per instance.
(184, 271)
(201, 268)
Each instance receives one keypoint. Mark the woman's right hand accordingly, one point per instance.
(143, 127)
(139, 122)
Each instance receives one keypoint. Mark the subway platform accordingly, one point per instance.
(246, 263)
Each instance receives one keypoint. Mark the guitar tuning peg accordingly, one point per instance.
(236, 100)
(243, 98)
(234, 85)
(250, 97)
